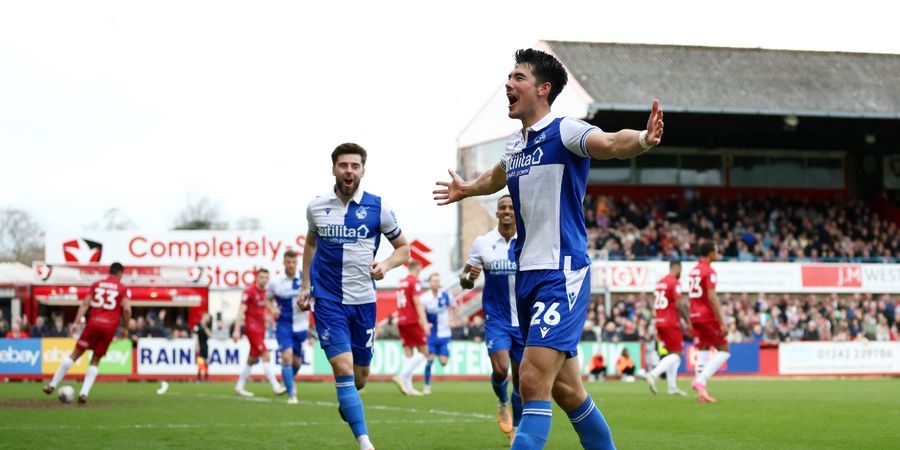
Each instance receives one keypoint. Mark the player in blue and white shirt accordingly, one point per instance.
(291, 324)
(493, 254)
(339, 274)
(545, 167)
(438, 307)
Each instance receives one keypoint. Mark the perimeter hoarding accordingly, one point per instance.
(765, 277)
(228, 258)
(824, 358)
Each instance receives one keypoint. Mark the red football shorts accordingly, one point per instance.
(257, 340)
(96, 337)
(708, 334)
(672, 338)
(411, 335)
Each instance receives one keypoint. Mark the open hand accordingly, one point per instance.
(450, 191)
(655, 124)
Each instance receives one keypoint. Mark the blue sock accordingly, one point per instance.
(516, 407)
(535, 426)
(428, 372)
(591, 426)
(351, 404)
(288, 377)
(500, 390)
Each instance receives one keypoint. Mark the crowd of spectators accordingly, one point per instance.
(762, 318)
(759, 229)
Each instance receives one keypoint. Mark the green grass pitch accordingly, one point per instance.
(750, 414)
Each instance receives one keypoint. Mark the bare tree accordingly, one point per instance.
(248, 224)
(21, 238)
(202, 214)
(113, 220)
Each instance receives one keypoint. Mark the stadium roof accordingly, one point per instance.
(734, 80)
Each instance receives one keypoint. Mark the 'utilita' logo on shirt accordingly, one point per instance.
(342, 234)
(525, 159)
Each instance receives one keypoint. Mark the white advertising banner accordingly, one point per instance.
(737, 277)
(158, 356)
(228, 259)
(836, 358)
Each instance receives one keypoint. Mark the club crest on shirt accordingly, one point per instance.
(540, 138)
(361, 213)
(326, 335)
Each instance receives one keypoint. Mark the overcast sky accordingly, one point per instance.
(141, 105)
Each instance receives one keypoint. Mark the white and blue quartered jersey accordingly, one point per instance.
(547, 172)
(348, 238)
(437, 309)
(285, 290)
(495, 256)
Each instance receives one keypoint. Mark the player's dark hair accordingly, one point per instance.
(413, 264)
(502, 197)
(545, 68)
(116, 269)
(290, 254)
(348, 148)
(262, 270)
(674, 263)
(706, 248)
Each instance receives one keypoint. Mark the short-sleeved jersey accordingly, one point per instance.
(437, 308)
(406, 307)
(495, 256)
(285, 290)
(665, 301)
(106, 301)
(347, 239)
(701, 279)
(255, 299)
(546, 171)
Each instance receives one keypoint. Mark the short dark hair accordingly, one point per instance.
(707, 247)
(674, 263)
(413, 264)
(504, 196)
(290, 254)
(348, 148)
(262, 270)
(546, 68)
(116, 268)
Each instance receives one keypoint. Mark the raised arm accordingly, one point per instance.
(626, 144)
(456, 189)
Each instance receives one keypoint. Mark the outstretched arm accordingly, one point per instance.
(456, 189)
(625, 144)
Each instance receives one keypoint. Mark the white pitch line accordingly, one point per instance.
(214, 425)
(367, 406)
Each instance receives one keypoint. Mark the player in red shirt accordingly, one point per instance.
(669, 305)
(252, 314)
(413, 326)
(105, 303)
(707, 321)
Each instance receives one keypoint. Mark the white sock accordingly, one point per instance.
(245, 375)
(364, 443)
(663, 366)
(672, 371)
(64, 367)
(413, 364)
(270, 374)
(702, 359)
(714, 366)
(89, 380)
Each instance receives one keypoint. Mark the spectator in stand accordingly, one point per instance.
(220, 332)
(812, 331)
(58, 329)
(39, 328)
(4, 325)
(610, 332)
(630, 334)
(16, 331)
(597, 368)
(882, 330)
(180, 329)
(625, 366)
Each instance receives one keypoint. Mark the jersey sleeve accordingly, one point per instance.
(712, 280)
(574, 133)
(511, 144)
(475, 257)
(417, 288)
(389, 226)
(245, 297)
(310, 223)
(270, 289)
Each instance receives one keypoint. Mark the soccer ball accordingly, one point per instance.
(66, 394)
